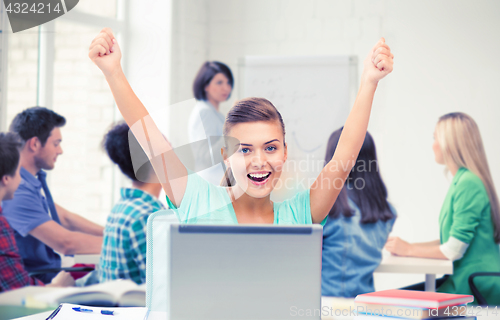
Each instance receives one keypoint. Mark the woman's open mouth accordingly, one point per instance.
(259, 178)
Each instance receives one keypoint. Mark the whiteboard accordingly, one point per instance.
(314, 95)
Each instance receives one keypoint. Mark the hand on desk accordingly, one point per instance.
(62, 279)
(398, 247)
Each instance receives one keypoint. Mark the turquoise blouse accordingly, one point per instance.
(204, 203)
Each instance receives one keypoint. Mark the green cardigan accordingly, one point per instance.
(466, 216)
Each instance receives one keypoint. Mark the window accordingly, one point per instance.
(22, 72)
(82, 181)
(49, 66)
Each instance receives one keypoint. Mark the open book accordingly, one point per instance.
(123, 293)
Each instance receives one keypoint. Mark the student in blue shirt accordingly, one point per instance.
(123, 254)
(212, 86)
(42, 227)
(13, 275)
(254, 154)
(358, 226)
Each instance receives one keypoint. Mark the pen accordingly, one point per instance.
(83, 310)
(54, 313)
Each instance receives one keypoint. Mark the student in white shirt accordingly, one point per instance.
(213, 84)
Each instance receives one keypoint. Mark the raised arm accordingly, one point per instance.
(330, 181)
(106, 54)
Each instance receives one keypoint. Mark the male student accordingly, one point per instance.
(41, 226)
(123, 253)
(12, 272)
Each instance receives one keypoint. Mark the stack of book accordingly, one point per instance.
(407, 304)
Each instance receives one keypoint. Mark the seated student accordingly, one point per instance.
(470, 216)
(358, 226)
(123, 253)
(41, 226)
(12, 272)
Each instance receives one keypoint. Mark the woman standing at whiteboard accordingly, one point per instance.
(213, 84)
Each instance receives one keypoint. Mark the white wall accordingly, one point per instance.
(446, 59)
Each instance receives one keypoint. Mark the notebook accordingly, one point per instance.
(408, 312)
(123, 293)
(67, 311)
(410, 298)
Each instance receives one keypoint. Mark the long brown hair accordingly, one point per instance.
(248, 110)
(371, 199)
(461, 144)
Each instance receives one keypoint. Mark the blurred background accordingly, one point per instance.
(447, 58)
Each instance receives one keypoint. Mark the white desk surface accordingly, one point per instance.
(44, 315)
(87, 258)
(162, 315)
(15, 297)
(394, 264)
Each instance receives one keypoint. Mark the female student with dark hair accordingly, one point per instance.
(357, 227)
(255, 162)
(213, 85)
(470, 216)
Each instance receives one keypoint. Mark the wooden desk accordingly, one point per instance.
(429, 267)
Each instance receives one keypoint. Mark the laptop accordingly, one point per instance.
(243, 272)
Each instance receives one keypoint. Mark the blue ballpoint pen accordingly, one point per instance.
(105, 312)
(83, 310)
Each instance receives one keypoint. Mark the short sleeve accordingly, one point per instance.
(202, 201)
(24, 212)
(390, 223)
(469, 201)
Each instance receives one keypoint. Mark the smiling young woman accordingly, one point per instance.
(260, 154)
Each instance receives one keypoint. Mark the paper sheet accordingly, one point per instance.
(67, 312)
